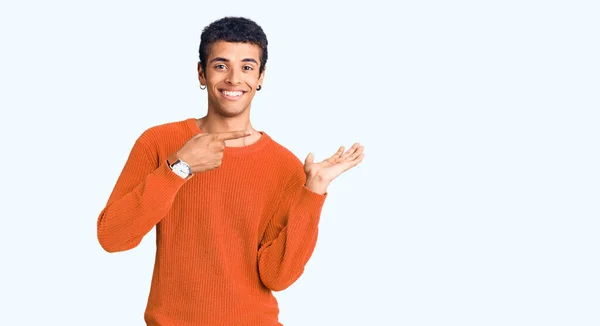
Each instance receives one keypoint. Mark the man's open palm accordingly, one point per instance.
(335, 165)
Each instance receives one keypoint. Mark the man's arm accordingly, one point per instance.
(146, 188)
(142, 196)
(291, 236)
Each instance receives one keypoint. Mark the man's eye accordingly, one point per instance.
(248, 68)
(220, 66)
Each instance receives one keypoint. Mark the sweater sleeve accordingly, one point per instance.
(142, 196)
(291, 235)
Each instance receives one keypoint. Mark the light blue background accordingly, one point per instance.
(476, 204)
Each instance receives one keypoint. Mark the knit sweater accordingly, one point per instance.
(225, 238)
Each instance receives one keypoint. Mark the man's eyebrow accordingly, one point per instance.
(219, 59)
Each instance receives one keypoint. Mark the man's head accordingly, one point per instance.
(233, 56)
(233, 30)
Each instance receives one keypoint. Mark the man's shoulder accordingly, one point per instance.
(169, 127)
(160, 132)
(284, 158)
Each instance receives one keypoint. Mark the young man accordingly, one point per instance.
(236, 213)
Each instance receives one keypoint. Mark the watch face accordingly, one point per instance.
(182, 169)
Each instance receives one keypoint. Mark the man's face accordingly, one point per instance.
(231, 77)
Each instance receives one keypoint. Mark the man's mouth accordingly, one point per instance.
(232, 95)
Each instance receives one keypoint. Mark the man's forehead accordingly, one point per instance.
(225, 49)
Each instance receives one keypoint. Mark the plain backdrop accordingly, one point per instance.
(477, 202)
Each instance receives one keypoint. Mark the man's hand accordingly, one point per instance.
(204, 151)
(319, 175)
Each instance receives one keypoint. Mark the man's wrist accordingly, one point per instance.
(179, 167)
(317, 184)
(172, 159)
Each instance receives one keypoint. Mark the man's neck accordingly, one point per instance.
(215, 124)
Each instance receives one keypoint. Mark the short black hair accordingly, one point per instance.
(235, 30)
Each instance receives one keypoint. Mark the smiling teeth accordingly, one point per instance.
(229, 93)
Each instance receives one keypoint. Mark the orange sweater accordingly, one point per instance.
(225, 239)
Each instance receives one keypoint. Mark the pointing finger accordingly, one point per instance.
(232, 134)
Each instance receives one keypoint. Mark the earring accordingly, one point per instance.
(202, 88)
(259, 88)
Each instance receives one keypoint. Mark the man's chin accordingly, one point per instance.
(231, 112)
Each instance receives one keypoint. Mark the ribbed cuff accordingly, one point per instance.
(168, 181)
(311, 200)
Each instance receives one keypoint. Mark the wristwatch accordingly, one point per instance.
(181, 168)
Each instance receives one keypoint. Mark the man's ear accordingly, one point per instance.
(262, 75)
(201, 74)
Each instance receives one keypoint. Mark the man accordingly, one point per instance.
(236, 213)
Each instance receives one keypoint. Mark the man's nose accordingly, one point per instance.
(233, 77)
